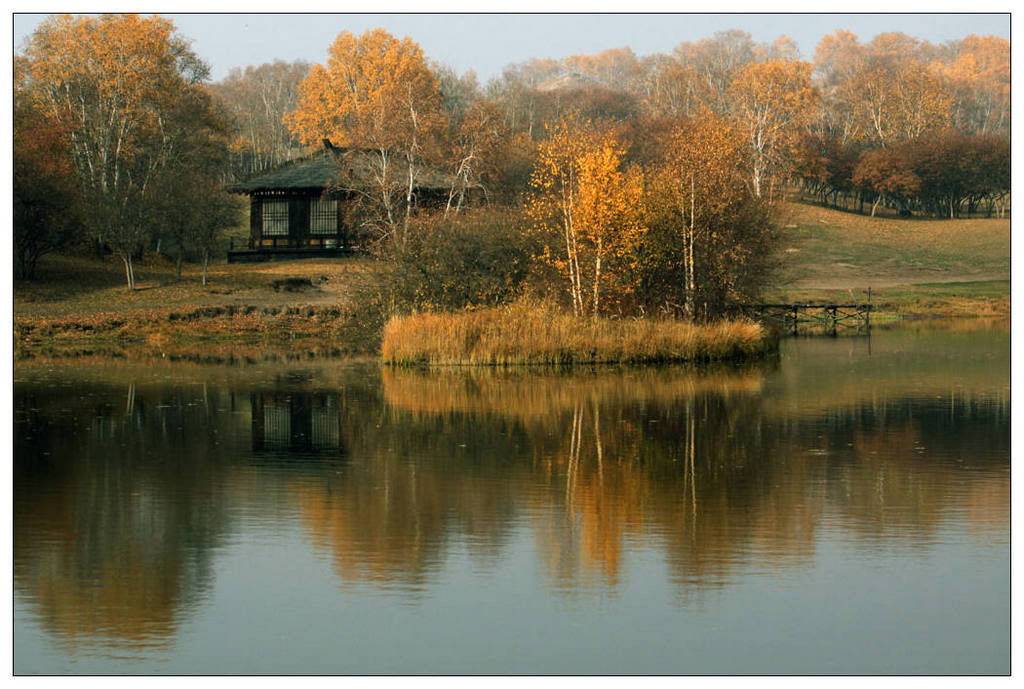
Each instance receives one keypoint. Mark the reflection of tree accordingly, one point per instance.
(692, 475)
(602, 503)
(898, 470)
(707, 469)
(390, 515)
(122, 494)
(533, 396)
(118, 504)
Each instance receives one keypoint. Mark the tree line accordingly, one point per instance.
(617, 182)
(943, 174)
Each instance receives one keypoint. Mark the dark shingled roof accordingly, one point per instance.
(333, 168)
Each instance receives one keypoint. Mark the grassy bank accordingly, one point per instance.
(531, 334)
(830, 249)
(984, 298)
(254, 311)
(211, 333)
(916, 267)
(82, 286)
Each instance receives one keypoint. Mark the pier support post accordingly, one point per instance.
(867, 315)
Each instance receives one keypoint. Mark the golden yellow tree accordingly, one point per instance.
(699, 181)
(581, 194)
(882, 92)
(376, 92)
(772, 101)
(979, 80)
(120, 85)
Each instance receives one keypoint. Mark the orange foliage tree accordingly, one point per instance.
(979, 79)
(115, 83)
(580, 194)
(376, 92)
(888, 173)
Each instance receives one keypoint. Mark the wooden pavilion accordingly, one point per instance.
(298, 209)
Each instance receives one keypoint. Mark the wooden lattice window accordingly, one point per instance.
(275, 218)
(323, 216)
(277, 424)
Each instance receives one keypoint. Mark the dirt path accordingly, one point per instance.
(859, 280)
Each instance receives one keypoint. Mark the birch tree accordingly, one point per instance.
(711, 244)
(580, 195)
(771, 102)
(114, 82)
(257, 99)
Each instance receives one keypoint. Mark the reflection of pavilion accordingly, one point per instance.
(296, 421)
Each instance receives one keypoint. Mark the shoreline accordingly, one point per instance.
(230, 332)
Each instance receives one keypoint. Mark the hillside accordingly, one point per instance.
(914, 266)
(830, 249)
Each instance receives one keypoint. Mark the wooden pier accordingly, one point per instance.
(830, 317)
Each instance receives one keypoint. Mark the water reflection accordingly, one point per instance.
(296, 422)
(119, 502)
(127, 491)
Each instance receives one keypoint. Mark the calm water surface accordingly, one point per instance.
(843, 509)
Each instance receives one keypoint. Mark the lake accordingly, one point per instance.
(843, 507)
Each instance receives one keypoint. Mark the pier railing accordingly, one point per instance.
(831, 316)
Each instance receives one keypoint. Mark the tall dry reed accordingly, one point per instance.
(528, 333)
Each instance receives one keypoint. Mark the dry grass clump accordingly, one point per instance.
(527, 333)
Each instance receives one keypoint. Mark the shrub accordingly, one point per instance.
(475, 258)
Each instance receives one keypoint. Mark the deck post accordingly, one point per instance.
(867, 315)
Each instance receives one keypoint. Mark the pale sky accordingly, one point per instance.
(487, 43)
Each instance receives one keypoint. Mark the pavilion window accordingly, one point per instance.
(277, 424)
(323, 217)
(275, 218)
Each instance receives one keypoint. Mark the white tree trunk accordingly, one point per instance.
(129, 269)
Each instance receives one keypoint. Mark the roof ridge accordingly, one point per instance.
(319, 170)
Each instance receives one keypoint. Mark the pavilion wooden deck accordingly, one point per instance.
(831, 317)
(267, 253)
